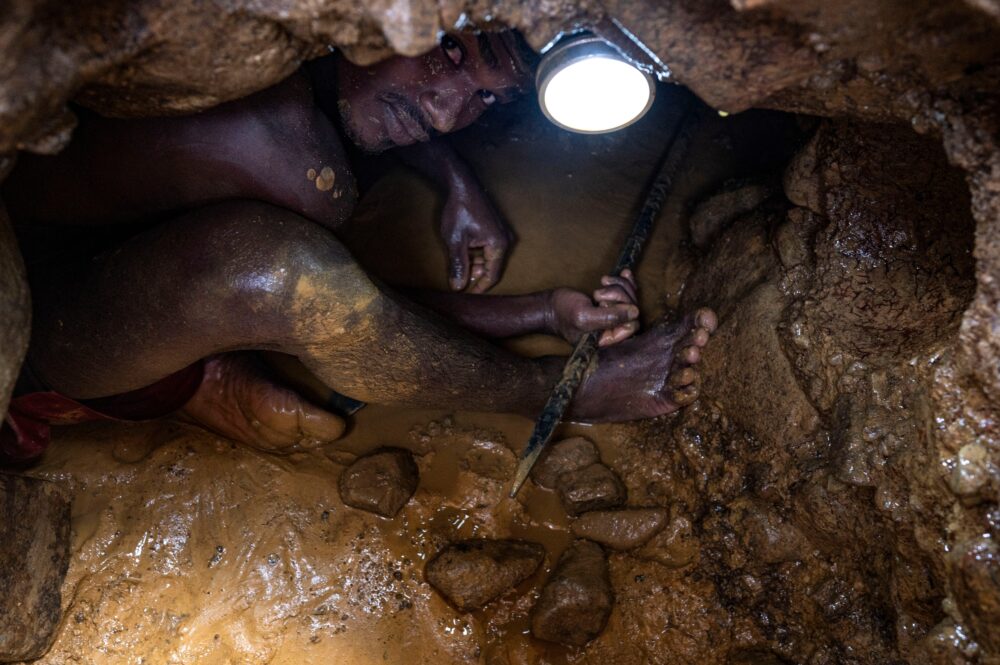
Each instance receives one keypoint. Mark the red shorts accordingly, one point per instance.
(25, 433)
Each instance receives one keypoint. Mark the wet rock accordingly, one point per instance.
(771, 539)
(802, 180)
(562, 457)
(15, 306)
(576, 601)
(675, 546)
(781, 416)
(620, 529)
(593, 487)
(471, 573)
(381, 482)
(976, 584)
(970, 473)
(34, 556)
(712, 216)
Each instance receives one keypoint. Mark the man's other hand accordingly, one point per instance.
(613, 309)
(477, 240)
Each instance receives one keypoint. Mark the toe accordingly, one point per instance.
(690, 354)
(683, 377)
(684, 396)
(706, 318)
(699, 337)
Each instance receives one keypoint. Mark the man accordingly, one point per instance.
(229, 216)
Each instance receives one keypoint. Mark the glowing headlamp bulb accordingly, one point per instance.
(586, 86)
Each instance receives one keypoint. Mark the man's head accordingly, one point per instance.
(401, 100)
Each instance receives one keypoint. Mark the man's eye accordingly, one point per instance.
(487, 97)
(452, 49)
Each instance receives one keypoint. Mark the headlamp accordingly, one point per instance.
(586, 86)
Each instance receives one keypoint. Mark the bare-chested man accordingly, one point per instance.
(230, 215)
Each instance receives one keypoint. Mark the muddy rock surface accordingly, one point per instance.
(576, 601)
(381, 482)
(563, 457)
(620, 529)
(471, 573)
(15, 305)
(593, 487)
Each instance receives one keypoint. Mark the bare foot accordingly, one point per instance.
(238, 402)
(650, 375)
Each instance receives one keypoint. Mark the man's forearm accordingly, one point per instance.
(493, 316)
(437, 161)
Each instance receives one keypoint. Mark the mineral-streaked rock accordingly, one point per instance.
(471, 573)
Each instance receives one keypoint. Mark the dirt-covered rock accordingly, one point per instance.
(576, 601)
(593, 487)
(562, 457)
(620, 529)
(34, 555)
(471, 573)
(381, 482)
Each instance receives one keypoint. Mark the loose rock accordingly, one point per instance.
(621, 529)
(34, 555)
(575, 603)
(381, 482)
(594, 487)
(562, 457)
(713, 215)
(471, 573)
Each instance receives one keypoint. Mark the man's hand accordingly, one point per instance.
(477, 240)
(614, 310)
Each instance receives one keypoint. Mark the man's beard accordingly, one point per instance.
(346, 124)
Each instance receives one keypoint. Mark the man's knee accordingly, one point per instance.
(278, 264)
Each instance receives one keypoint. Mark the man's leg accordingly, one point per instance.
(245, 275)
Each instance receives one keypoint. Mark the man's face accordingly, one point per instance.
(401, 101)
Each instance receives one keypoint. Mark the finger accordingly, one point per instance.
(627, 275)
(613, 294)
(494, 256)
(318, 424)
(619, 333)
(458, 276)
(622, 283)
(600, 318)
(478, 268)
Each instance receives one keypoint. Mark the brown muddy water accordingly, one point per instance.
(190, 549)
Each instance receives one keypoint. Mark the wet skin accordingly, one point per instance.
(245, 260)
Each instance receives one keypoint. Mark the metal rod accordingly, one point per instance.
(583, 354)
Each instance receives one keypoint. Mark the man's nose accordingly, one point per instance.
(443, 108)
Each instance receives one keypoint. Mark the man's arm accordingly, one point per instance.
(476, 237)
